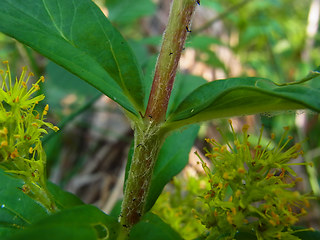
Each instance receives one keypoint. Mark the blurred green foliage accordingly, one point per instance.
(268, 37)
(178, 206)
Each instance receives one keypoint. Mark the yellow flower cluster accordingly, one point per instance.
(21, 129)
(250, 188)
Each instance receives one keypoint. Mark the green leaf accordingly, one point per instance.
(84, 222)
(151, 227)
(173, 157)
(245, 236)
(306, 235)
(312, 74)
(148, 79)
(125, 11)
(183, 86)
(240, 96)
(62, 198)
(61, 84)
(116, 210)
(141, 52)
(17, 210)
(76, 35)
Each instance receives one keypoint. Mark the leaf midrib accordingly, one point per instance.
(203, 106)
(59, 33)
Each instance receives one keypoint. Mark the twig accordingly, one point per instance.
(220, 16)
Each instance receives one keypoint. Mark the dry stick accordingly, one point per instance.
(149, 135)
(220, 16)
(116, 191)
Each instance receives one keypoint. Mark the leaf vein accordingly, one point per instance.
(55, 24)
(114, 57)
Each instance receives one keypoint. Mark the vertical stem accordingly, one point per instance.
(148, 140)
(166, 67)
(149, 135)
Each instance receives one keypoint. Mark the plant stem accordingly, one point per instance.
(149, 134)
(147, 143)
(166, 67)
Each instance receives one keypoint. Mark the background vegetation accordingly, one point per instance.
(276, 39)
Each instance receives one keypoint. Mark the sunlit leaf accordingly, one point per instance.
(76, 35)
(241, 96)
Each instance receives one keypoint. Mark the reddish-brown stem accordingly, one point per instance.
(166, 67)
(149, 135)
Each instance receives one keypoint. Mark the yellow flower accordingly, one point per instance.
(21, 130)
(251, 185)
